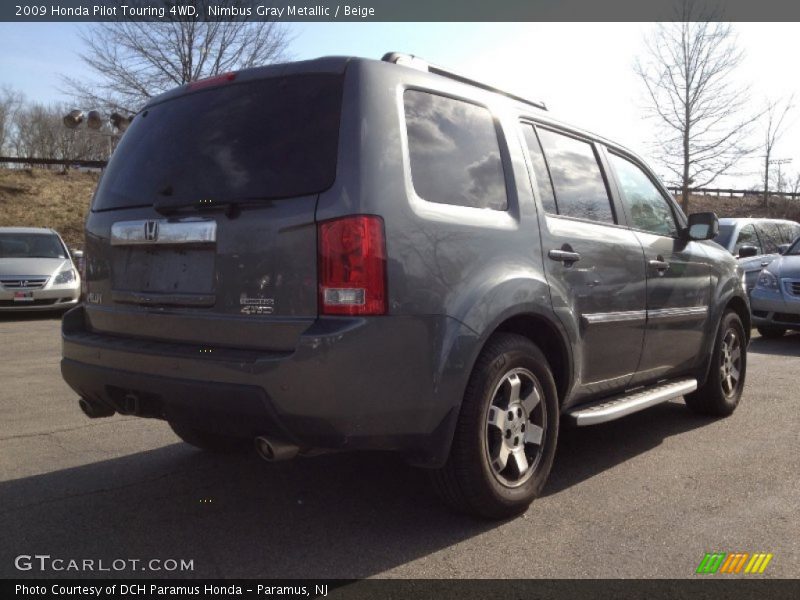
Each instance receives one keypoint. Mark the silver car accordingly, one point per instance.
(36, 271)
(775, 301)
(756, 242)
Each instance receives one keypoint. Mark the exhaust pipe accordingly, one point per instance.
(95, 410)
(274, 451)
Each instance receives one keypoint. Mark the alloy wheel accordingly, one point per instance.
(516, 424)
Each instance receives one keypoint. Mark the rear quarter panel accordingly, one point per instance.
(474, 266)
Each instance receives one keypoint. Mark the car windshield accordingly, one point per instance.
(31, 245)
(794, 249)
(724, 236)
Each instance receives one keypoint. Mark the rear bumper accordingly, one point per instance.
(351, 383)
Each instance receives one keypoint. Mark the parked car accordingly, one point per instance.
(36, 271)
(348, 254)
(776, 297)
(755, 242)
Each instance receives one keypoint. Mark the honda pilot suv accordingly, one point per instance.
(350, 254)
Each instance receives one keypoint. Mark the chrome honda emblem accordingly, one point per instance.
(151, 231)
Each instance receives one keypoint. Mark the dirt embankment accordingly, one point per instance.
(44, 198)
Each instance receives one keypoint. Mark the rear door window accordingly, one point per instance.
(268, 138)
(454, 152)
(580, 189)
(546, 194)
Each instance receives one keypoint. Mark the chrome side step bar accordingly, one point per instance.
(631, 402)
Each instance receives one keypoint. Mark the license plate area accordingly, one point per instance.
(164, 269)
(23, 296)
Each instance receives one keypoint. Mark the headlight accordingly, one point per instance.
(767, 281)
(64, 277)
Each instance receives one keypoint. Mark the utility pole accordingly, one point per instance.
(768, 162)
(779, 162)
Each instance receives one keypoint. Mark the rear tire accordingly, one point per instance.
(720, 393)
(771, 332)
(210, 442)
(506, 434)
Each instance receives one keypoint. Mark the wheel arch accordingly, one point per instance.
(549, 339)
(740, 307)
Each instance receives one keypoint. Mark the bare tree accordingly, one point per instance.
(10, 102)
(691, 95)
(134, 61)
(775, 116)
(38, 132)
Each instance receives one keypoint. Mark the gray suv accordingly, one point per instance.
(350, 254)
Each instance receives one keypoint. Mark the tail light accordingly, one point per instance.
(352, 266)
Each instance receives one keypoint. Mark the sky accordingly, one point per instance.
(583, 71)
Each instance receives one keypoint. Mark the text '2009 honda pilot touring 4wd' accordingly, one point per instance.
(355, 254)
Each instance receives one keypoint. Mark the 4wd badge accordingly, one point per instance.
(256, 306)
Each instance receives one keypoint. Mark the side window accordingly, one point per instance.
(545, 186)
(747, 237)
(579, 186)
(788, 232)
(770, 236)
(794, 231)
(648, 209)
(454, 152)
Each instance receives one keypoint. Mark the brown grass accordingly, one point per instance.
(43, 198)
(748, 206)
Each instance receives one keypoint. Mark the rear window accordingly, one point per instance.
(269, 138)
(454, 152)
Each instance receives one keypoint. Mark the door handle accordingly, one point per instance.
(660, 265)
(765, 263)
(565, 256)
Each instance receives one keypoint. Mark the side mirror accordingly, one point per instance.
(747, 251)
(783, 248)
(703, 226)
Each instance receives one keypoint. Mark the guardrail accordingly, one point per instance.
(96, 164)
(734, 192)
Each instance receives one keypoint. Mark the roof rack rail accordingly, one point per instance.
(415, 62)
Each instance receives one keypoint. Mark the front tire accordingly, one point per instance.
(506, 434)
(720, 393)
(210, 442)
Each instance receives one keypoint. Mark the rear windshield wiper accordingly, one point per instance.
(230, 206)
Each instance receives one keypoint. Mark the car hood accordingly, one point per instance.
(786, 267)
(44, 267)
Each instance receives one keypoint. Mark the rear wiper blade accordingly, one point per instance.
(231, 206)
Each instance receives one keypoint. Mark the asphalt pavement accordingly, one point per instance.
(643, 497)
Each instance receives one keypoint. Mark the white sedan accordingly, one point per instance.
(36, 271)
